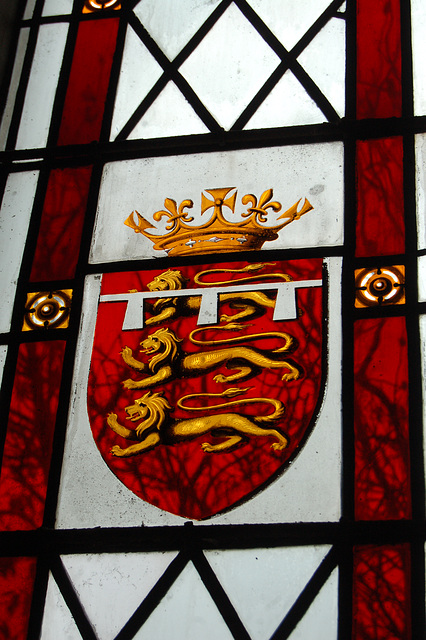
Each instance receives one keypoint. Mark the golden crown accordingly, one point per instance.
(218, 235)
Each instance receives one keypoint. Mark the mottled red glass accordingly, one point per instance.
(28, 446)
(380, 198)
(16, 588)
(58, 243)
(378, 59)
(88, 83)
(381, 593)
(179, 476)
(382, 461)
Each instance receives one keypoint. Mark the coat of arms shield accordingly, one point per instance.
(205, 381)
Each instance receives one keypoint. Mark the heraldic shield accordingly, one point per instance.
(205, 381)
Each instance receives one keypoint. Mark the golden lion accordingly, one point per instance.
(168, 361)
(156, 427)
(173, 280)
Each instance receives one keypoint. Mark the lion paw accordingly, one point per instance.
(126, 353)
(226, 318)
(112, 418)
(220, 378)
(293, 375)
(207, 447)
(130, 384)
(117, 451)
(278, 446)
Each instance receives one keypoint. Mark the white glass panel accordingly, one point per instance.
(29, 9)
(289, 20)
(294, 172)
(242, 63)
(187, 612)
(57, 620)
(288, 104)
(112, 586)
(263, 584)
(13, 87)
(420, 146)
(320, 621)
(418, 19)
(35, 119)
(3, 353)
(422, 278)
(324, 61)
(172, 23)
(57, 7)
(309, 490)
(139, 72)
(14, 219)
(169, 115)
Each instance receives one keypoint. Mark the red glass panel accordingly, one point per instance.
(28, 446)
(380, 197)
(58, 243)
(378, 59)
(382, 463)
(16, 587)
(88, 83)
(381, 593)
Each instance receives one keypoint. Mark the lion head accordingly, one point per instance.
(164, 344)
(168, 281)
(152, 408)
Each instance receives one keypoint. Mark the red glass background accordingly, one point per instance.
(378, 59)
(58, 243)
(29, 436)
(16, 588)
(381, 593)
(382, 461)
(380, 226)
(182, 478)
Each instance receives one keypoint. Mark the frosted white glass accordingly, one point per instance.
(187, 612)
(172, 23)
(14, 219)
(41, 89)
(139, 72)
(13, 86)
(3, 353)
(112, 585)
(57, 619)
(313, 171)
(421, 264)
(418, 21)
(324, 61)
(57, 7)
(263, 584)
(420, 152)
(29, 9)
(287, 104)
(169, 115)
(320, 621)
(289, 20)
(242, 63)
(90, 495)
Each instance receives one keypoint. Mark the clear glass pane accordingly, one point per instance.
(29, 9)
(57, 620)
(169, 115)
(324, 61)
(422, 278)
(420, 146)
(289, 20)
(287, 104)
(3, 353)
(57, 7)
(172, 23)
(14, 219)
(36, 114)
(263, 584)
(112, 585)
(139, 72)
(13, 87)
(187, 612)
(320, 621)
(418, 20)
(243, 62)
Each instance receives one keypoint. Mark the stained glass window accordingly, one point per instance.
(212, 348)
